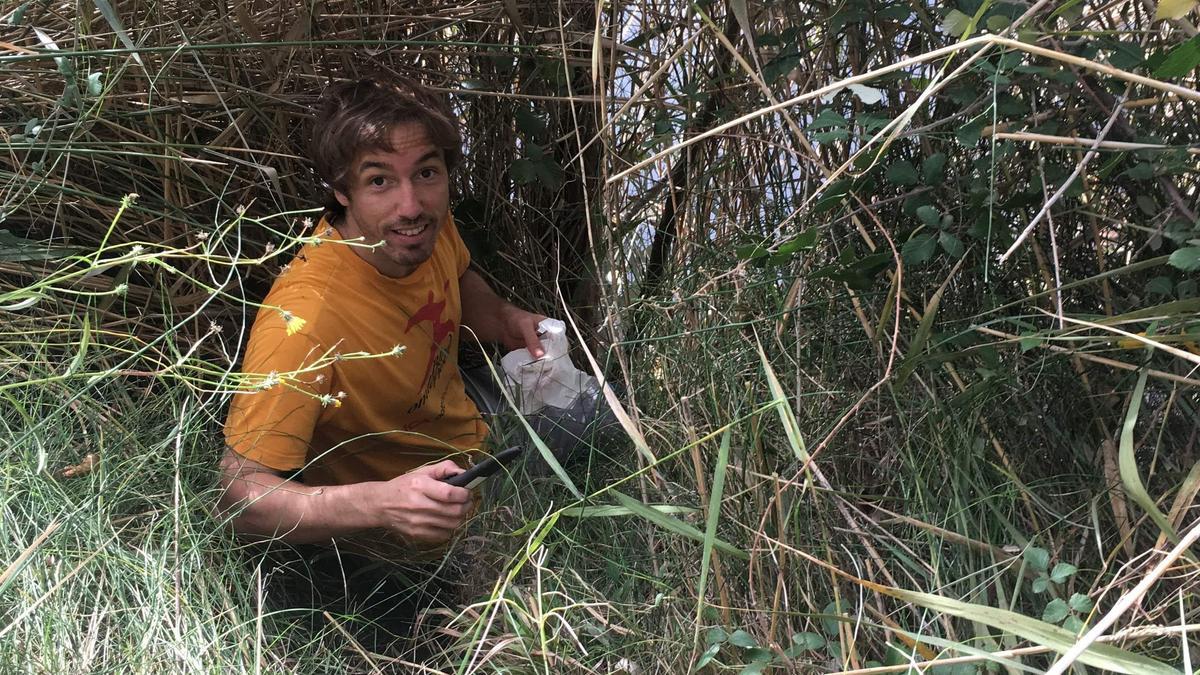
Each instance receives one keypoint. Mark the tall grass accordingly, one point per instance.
(857, 440)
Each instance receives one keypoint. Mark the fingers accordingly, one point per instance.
(529, 334)
(443, 469)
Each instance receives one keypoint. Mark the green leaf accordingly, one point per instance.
(759, 655)
(1073, 624)
(1038, 558)
(1062, 572)
(970, 133)
(523, 171)
(1029, 341)
(951, 244)
(741, 638)
(929, 215)
(801, 242)
(1181, 60)
(808, 641)
(670, 524)
(831, 135)
(828, 118)
(1081, 603)
(919, 249)
(17, 17)
(1186, 259)
(708, 655)
(1160, 286)
(902, 173)
(933, 168)
(956, 24)
(997, 23)
(715, 635)
(755, 668)
(1040, 584)
(1056, 611)
(1140, 171)
(898, 12)
(529, 122)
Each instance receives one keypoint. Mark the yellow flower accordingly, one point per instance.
(294, 323)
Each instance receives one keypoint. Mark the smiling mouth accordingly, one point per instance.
(412, 231)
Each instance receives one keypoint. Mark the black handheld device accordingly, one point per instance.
(484, 469)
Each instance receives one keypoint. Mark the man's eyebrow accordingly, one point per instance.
(432, 154)
(372, 165)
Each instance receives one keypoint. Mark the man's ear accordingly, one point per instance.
(342, 198)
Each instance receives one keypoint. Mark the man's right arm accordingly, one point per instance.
(416, 506)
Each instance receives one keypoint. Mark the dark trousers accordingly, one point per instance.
(379, 603)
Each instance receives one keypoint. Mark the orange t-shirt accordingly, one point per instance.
(341, 417)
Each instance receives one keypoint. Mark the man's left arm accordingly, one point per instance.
(494, 319)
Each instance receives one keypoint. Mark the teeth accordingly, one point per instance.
(411, 232)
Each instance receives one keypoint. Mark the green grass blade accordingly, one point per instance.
(613, 511)
(784, 407)
(106, 10)
(714, 516)
(1106, 657)
(672, 524)
(1128, 464)
(85, 338)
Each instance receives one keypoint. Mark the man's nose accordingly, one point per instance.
(408, 202)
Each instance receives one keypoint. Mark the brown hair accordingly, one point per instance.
(359, 116)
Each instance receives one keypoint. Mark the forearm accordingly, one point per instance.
(482, 310)
(264, 505)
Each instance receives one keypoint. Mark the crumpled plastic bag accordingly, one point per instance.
(552, 380)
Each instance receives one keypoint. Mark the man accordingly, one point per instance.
(351, 445)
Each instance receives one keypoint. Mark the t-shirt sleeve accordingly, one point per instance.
(285, 376)
(462, 256)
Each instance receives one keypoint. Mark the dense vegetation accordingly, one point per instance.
(902, 298)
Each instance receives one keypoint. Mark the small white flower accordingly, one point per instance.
(121, 288)
(214, 327)
(201, 236)
(269, 381)
(308, 222)
(398, 350)
(137, 249)
(270, 247)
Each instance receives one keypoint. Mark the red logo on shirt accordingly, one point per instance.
(440, 330)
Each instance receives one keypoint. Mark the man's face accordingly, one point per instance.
(399, 197)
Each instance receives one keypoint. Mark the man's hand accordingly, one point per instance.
(520, 330)
(419, 507)
(495, 320)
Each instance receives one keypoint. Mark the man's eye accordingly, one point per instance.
(378, 181)
(427, 172)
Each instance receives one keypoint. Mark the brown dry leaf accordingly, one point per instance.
(83, 468)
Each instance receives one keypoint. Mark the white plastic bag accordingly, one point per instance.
(551, 380)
